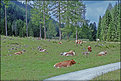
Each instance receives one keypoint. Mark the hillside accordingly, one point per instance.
(16, 20)
(35, 65)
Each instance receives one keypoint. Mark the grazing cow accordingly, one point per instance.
(70, 53)
(65, 63)
(79, 42)
(42, 50)
(102, 53)
(89, 49)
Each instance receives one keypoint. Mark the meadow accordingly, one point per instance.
(113, 75)
(35, 65)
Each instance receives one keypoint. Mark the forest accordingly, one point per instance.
(58, 20)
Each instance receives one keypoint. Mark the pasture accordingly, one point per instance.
(113, 75)
(35, 65)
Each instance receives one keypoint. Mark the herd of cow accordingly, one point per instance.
(70, 53)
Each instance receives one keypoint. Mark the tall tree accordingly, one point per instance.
(6, 3)
(37, 17)
(93, 31)
(45, 15)
(109, 6)
(99, 28)
(40, 14)
(84, 31)
(107, 22)
(51, 30)
(56, 8)
(66, 18)
(77, 11)
(44, 20)
(26, 21)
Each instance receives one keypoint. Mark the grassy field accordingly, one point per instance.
(35, 65)
(114, 75)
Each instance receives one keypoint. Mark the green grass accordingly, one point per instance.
(35, 65)
(114, 75)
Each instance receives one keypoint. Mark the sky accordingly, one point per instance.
(94, 9)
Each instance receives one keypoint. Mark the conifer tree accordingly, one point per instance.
(99, 28)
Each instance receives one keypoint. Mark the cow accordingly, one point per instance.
(79, 42)
(20, 52)
(70, 53)
(67, 63)
(59, 42)
(42, 50)
(89, 49)
(102, 53)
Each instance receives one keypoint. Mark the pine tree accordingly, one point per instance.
(37, 17)
(93, 31)
(99, 28)
(45, 9)
(76, 18)
(51, 30)
(108, 20)
(40, 15)
(109, 6)
(56, 8)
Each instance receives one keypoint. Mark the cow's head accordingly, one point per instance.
(105, 52)
(73, 62)
(61, 53)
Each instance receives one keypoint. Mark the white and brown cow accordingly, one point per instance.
(70, 53)
(102, 53)
(89, 49)
(42, 50)
(78, 41)
(20, 52)
(67, 63)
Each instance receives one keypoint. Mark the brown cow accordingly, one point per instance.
(78, 41)
(67, 63)
(20, 52)
(89, 49)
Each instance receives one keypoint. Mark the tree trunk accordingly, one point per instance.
(59, 24)
(44, 22)
(15, 29)
(26, 21)
(60, 32)
(40, 29)
(68, 36)
(76, 34)
(6, 21)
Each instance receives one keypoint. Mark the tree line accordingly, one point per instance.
(36, 20)
(109, 25)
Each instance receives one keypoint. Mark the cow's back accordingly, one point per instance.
(63, 64)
